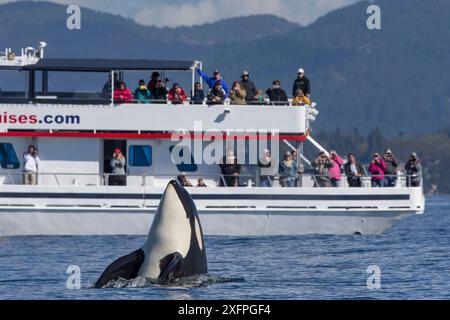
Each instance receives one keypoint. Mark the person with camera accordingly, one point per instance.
(276, 93)
(392, 165)
(118, 161)
(354, 171)
(335, 171)
(413, 171)
(30, 166)
(238, 94)
(322, 165)
(266, 170)
(377, 168)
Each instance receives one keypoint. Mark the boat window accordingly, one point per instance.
(13, 85)
(72, 87)
(184, 167)
(8, 157)
(140, 156)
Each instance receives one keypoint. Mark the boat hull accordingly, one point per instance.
(66, 221)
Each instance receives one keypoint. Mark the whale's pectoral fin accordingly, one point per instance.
(169, 265)
(126, 267)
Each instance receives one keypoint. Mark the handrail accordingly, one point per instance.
(252, 178)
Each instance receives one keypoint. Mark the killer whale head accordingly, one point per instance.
(174, 247)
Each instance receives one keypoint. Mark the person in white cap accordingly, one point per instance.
(392, 166)
(302, 82)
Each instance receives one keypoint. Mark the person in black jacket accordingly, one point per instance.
(354, 171)
(275, 93)
(413, 171)
(302, 82)
(230, 170)
(198, 95)
(248, 86)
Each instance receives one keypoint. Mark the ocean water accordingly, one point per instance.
(413, 258)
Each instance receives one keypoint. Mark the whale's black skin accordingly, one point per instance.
(173, 265)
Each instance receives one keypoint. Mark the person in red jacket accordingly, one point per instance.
(122, 94)
(177, 94)
(377, 168)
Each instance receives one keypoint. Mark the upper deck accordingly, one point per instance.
(38, 107)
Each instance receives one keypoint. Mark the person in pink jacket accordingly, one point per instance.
(122, 94)
(334, 173)
(377, 168)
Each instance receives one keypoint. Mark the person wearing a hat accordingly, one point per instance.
(211, 81)
(392, 165)
(276, 93)
(177, 94)
(377, 168)
(322, 165)
(413, 171)
(117, 163)
(248, 86)
(302, 82)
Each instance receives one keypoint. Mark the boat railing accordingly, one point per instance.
(212, 180)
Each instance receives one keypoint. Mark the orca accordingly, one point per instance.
(174, 247)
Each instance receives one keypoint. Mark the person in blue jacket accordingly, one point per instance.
(211, 81)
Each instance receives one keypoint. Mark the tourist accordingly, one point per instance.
(153, 81)
(287, 171)
(237, 94)
(276, 94)
(117, 163)
(300, 99)
(248, 86)
(392, 166)
(122, 94)
(211, 81)
(176, 94)
(106, 91)
(184, 181)
(264, 165)
(413, 171)
(159, 94)
(201, 183)
(322, 165)
(198, 96)
(302, 82)
(300, 169)
(230, 170)
(377, 168)
(142, 94)
(30, 166)
(217, 94)
(334, 172)
(354, 171)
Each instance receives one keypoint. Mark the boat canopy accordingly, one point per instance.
(108, 65)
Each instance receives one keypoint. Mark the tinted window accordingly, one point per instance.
(140, 156)
(8, 157)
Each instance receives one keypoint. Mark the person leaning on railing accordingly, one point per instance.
(217, 94)
(176, 94)
(354, 171)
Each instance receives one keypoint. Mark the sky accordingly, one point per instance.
(174, 13)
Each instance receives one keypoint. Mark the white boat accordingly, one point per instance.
(77, 131)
